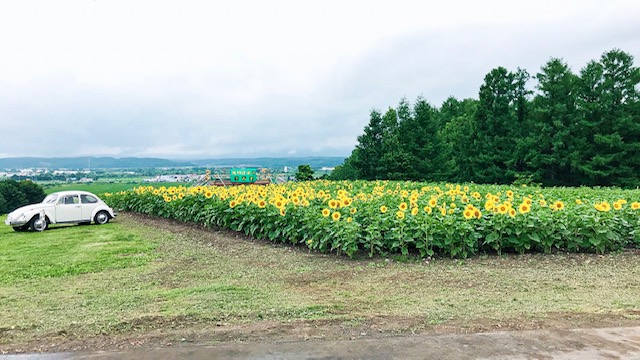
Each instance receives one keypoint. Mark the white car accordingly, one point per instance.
(62, 207)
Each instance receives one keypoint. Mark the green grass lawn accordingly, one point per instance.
(136, 274)
(102, 187)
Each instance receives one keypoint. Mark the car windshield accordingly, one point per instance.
(50, 199)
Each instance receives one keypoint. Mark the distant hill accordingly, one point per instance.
(79, 163)
(82, 163)
(316, 162)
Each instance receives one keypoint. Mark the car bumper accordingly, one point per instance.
(15, 222)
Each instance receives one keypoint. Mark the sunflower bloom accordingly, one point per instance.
(402, 206)
(558, 205)
(335, 216)
(383, 209)
(326, 212)
(489, 205)
(502, 208)
(400, 214)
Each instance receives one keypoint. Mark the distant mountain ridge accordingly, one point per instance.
(85, 163)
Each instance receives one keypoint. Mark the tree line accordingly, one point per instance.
(14, 194)
(566, 130)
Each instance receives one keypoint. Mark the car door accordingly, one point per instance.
(89, 204)
(69, 209)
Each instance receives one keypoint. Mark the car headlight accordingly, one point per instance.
(16, 217)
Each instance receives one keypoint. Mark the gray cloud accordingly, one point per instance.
(296, 79)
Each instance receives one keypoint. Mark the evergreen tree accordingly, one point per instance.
(493, 121)
(608, 120)
(552, 142)
(365, 159)
(457, 133)
(394, 161)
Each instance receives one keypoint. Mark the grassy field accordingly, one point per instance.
(101, 187)
(138, 275)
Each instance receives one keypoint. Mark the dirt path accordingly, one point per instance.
(609, 343)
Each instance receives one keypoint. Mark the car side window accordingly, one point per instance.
(70, 199)
(88, 199)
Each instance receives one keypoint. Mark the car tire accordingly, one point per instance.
(101, 218)
(21, 228)
(39, 224)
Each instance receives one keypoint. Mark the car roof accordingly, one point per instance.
(73, 192)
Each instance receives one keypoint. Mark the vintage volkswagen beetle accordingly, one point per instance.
(62, 207)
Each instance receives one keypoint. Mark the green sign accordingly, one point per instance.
(243, 175)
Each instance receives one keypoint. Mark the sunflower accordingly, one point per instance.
(233, 204)
(427, 209)
(349, 219)
(262, 204)
(635, 205)
(283, 212)
(400, 214)
(477, 213)
(402, 206)
(383, 209)
(433, 202)
(489, 205)
(603, 206)
(617, 205)
(524, 208)
(558, 205)
(353, 210)
(335, 216)
(333, 203)
(208, 194)
(414, 211)
(468, 214)
(502, 208)
(512, 212)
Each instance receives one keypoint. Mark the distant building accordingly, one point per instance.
(327, 168)
(170, 178)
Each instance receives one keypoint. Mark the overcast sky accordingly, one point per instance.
(203, 79)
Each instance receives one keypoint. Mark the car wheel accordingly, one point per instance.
(101, 218)
(39, 223)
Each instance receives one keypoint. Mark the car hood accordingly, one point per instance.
(32, 208)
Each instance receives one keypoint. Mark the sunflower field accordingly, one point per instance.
(389, 217)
